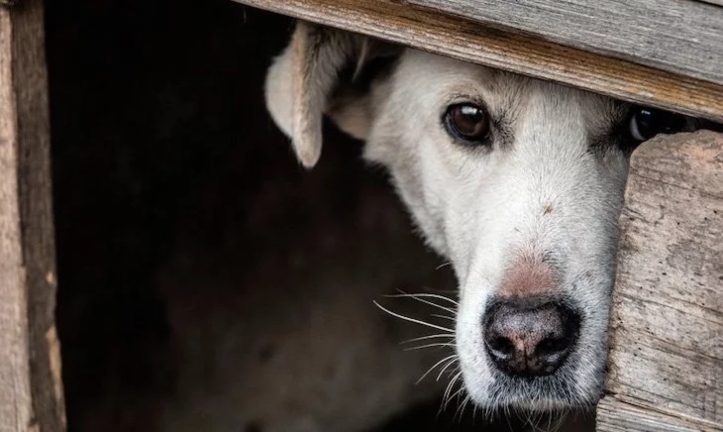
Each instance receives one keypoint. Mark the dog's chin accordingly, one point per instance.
(558, 392)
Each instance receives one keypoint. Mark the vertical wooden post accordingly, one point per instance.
(666, 326)
(31, 393)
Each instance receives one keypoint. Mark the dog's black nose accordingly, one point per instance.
(528, 339)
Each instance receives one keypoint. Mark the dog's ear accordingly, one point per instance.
(323, 71)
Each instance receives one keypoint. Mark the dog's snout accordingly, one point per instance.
(530, 339)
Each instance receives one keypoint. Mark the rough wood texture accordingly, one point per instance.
(31, 396)
(436, 32)
(614, 415)
(666, 329)
(684, 37)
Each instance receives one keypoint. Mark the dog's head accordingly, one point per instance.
(518, 182)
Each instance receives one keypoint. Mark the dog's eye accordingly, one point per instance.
(645, 123)
(470, 123)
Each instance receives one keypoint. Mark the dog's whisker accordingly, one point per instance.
(434, 336)
(443, 265)
(440, 345)
(532, 419)
(441, 372)
(432, 295)
(460, 410)
(421, 298)
(452, 396)
(557, 425)
(474, 410)
(451, 318)
(435, 366)
(416, 321)
(448, 391)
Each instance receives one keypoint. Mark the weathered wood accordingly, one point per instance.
(614, 415)
(436, 32)
(666, 332)
(684, 37)
(31, 397)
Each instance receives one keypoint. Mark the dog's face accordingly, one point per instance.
(518, 182)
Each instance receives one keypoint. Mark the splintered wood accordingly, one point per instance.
(666, 342)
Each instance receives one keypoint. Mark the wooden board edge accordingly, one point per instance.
(15, 394)
(714, 2)
(28, 201)
(641, 44)
(457, 38)
(617, 415)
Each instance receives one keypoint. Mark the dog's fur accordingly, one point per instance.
(534, 213)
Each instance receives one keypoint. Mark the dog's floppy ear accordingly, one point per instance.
(308, 80)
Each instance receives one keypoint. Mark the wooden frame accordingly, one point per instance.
(31, 393)
(675, 183)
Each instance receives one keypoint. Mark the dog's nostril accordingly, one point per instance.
(501, 346)
(525, 338)
(550, 347)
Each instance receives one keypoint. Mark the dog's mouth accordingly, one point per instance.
(560, 390)
(542, 393)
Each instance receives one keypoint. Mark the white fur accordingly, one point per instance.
(482, 208)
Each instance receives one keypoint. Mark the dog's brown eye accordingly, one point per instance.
(470, 123)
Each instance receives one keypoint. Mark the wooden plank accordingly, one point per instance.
(684, 37)
(31, 397)
(666, 331)
(456, 37)
(614, 415)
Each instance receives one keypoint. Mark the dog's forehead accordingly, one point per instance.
(435, 80)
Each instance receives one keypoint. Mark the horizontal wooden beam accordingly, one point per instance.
(679, 36)
(455, 37)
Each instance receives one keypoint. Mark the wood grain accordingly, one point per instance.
(614, 415)
(684, 37)
(31, 396)
(459, 38)
(666, 332)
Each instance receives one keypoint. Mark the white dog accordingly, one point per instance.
(518, 182)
